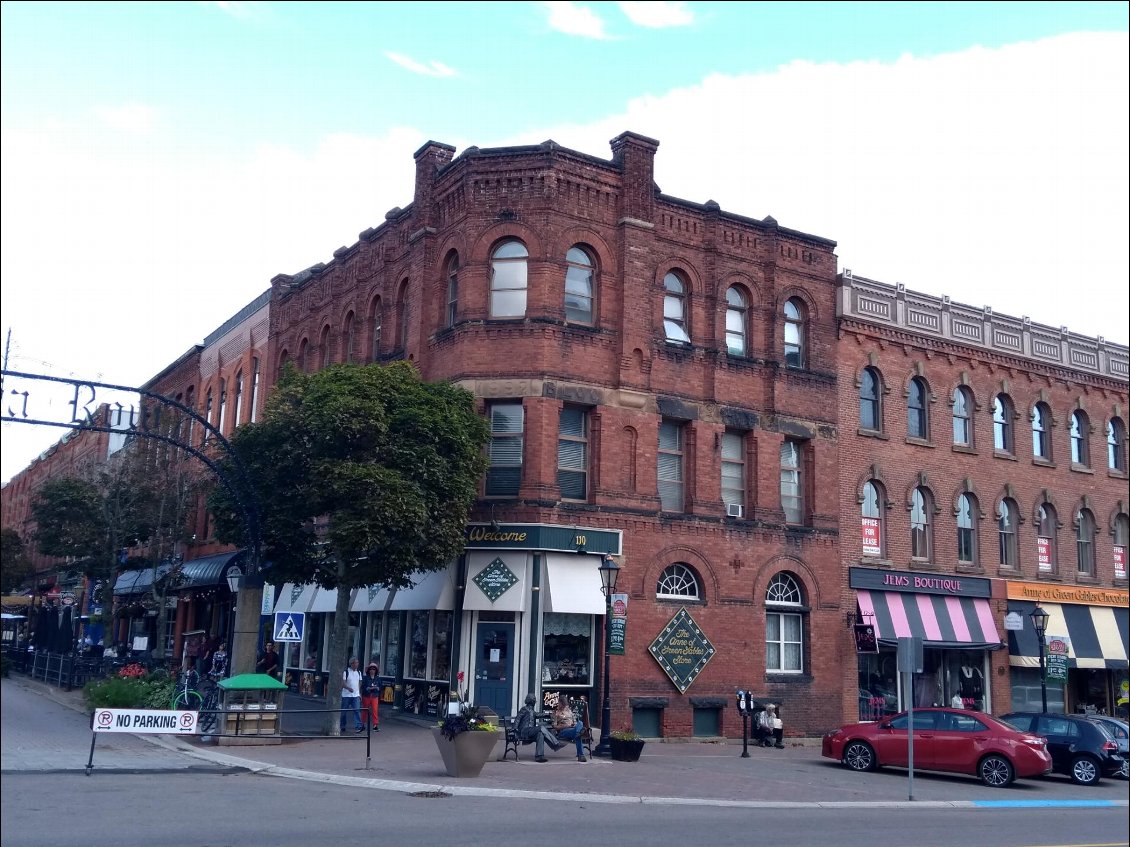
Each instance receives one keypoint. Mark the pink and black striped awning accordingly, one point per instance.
(939, 620)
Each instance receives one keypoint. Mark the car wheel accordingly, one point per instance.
(1085, 771)
(996, 771)
(1124, 771)
(859, 756)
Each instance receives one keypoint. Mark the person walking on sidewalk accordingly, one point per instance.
(371, 696)
(351, 695)
(269, 662)
(566, 726)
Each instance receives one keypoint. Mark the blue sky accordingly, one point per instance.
(162, 161)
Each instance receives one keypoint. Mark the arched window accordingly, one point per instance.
(324, 348)
(375, 325)
(223, 406)
(350, 336)
(1007, 519)
(1047, 549)
(580, 286)
(917, 421)
(920, 524)
(1041, 432)
(402, 315)
(873, 524)
(304, 356)
(451, 315)
(678, 582)
(870, 398)
(207, 414)
(794, 333)
(737, 315)
(675, 309)
(238, 418)
(254, 389)
(967, 529)
(1116, 445)
(1080, 434)
(1002, 424)
(962, 417)
(508, 280)
(784, 625)
(1085, 542)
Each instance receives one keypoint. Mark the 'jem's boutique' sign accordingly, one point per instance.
(874, 579)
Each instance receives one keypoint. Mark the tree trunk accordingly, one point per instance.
(339, 657)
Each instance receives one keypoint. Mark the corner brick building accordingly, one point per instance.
(660, 376)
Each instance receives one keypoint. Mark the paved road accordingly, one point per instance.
(44, 728)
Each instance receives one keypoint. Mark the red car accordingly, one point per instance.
(953, 740)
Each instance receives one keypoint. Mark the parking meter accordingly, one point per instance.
(744, 699)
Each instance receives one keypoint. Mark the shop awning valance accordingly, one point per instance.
(139, 581)
(370, 598)
(295, 598)
(435, 590)
(939, 620)
(572, 584)
(325, 601)
(1098, 634)
(206, 571)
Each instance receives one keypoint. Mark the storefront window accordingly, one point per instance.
(566, 649)
(878, 685)
(392, 661)
(375, 653)
(441, 646)
(1026, 692)
(418, 645)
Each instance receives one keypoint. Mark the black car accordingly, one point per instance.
(1081, 748)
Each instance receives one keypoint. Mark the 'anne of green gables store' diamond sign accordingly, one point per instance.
(682, 650)
(495, 579)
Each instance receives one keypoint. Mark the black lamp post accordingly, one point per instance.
(1040, 624)
(609, 571)
(234, 578)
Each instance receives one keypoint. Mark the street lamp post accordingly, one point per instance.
(609, 571)
(1040, 624)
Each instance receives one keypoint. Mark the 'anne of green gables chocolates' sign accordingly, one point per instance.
(682, 650)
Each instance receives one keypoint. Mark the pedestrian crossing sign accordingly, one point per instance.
(289, 626)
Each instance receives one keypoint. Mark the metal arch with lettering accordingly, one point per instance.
(144, 423)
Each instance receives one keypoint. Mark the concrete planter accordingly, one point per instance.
(465, 756)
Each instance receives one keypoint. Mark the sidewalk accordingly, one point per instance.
(403, 757)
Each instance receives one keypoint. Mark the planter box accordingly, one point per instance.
(625, 751)
(465, 756)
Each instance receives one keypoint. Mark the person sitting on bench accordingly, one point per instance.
(567, 727)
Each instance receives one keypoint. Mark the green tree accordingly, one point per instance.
(14, 565)
(68, 518)
(365, 474)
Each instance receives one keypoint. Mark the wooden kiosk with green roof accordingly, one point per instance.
(251, 703)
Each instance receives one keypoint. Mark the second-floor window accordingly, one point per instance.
(1080, 432)
(1116, 445)
(1006, 534)
(675, 310)
(573, 453)
(794, 333)
(920, 528)
(1085, 542)
(670, 466)
(507, 424)
(917, 424)
(737, 311)
(962, 417)
(451, 313)
(1002, 424)
(733, 473)
(870, 390)
(792, 484)
(1041, 432)
(966, 529)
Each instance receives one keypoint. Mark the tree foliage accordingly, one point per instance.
(15, 568)
(68, 518)
(365, 475)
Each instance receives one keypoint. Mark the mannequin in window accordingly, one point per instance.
(971, 680)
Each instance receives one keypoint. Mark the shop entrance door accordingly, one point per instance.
(494, 674)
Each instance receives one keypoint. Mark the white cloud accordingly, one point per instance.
(573, 19)
(129, 117)
(433, 68)
(998, 177)
(657, 15)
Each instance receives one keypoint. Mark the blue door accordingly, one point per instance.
(494, 672)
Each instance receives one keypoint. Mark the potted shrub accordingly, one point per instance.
(465, 740)
(625, 745)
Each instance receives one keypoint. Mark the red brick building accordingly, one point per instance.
(983, 468)
(660, 377)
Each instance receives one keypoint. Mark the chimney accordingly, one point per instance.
(429, 159)
(634, 155)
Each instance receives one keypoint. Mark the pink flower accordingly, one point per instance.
(459, 677)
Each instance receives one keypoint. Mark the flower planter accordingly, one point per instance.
(625, 751)
(465, 756)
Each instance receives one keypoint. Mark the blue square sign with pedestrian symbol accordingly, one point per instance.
(289, 626)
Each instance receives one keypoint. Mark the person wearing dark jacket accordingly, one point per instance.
(371, 696)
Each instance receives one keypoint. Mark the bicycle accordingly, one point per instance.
(204, 701)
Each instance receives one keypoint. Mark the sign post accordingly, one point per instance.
(910, 661)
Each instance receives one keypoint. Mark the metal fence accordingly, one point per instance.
(73, 670)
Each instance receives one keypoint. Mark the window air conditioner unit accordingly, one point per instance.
(733, 510)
